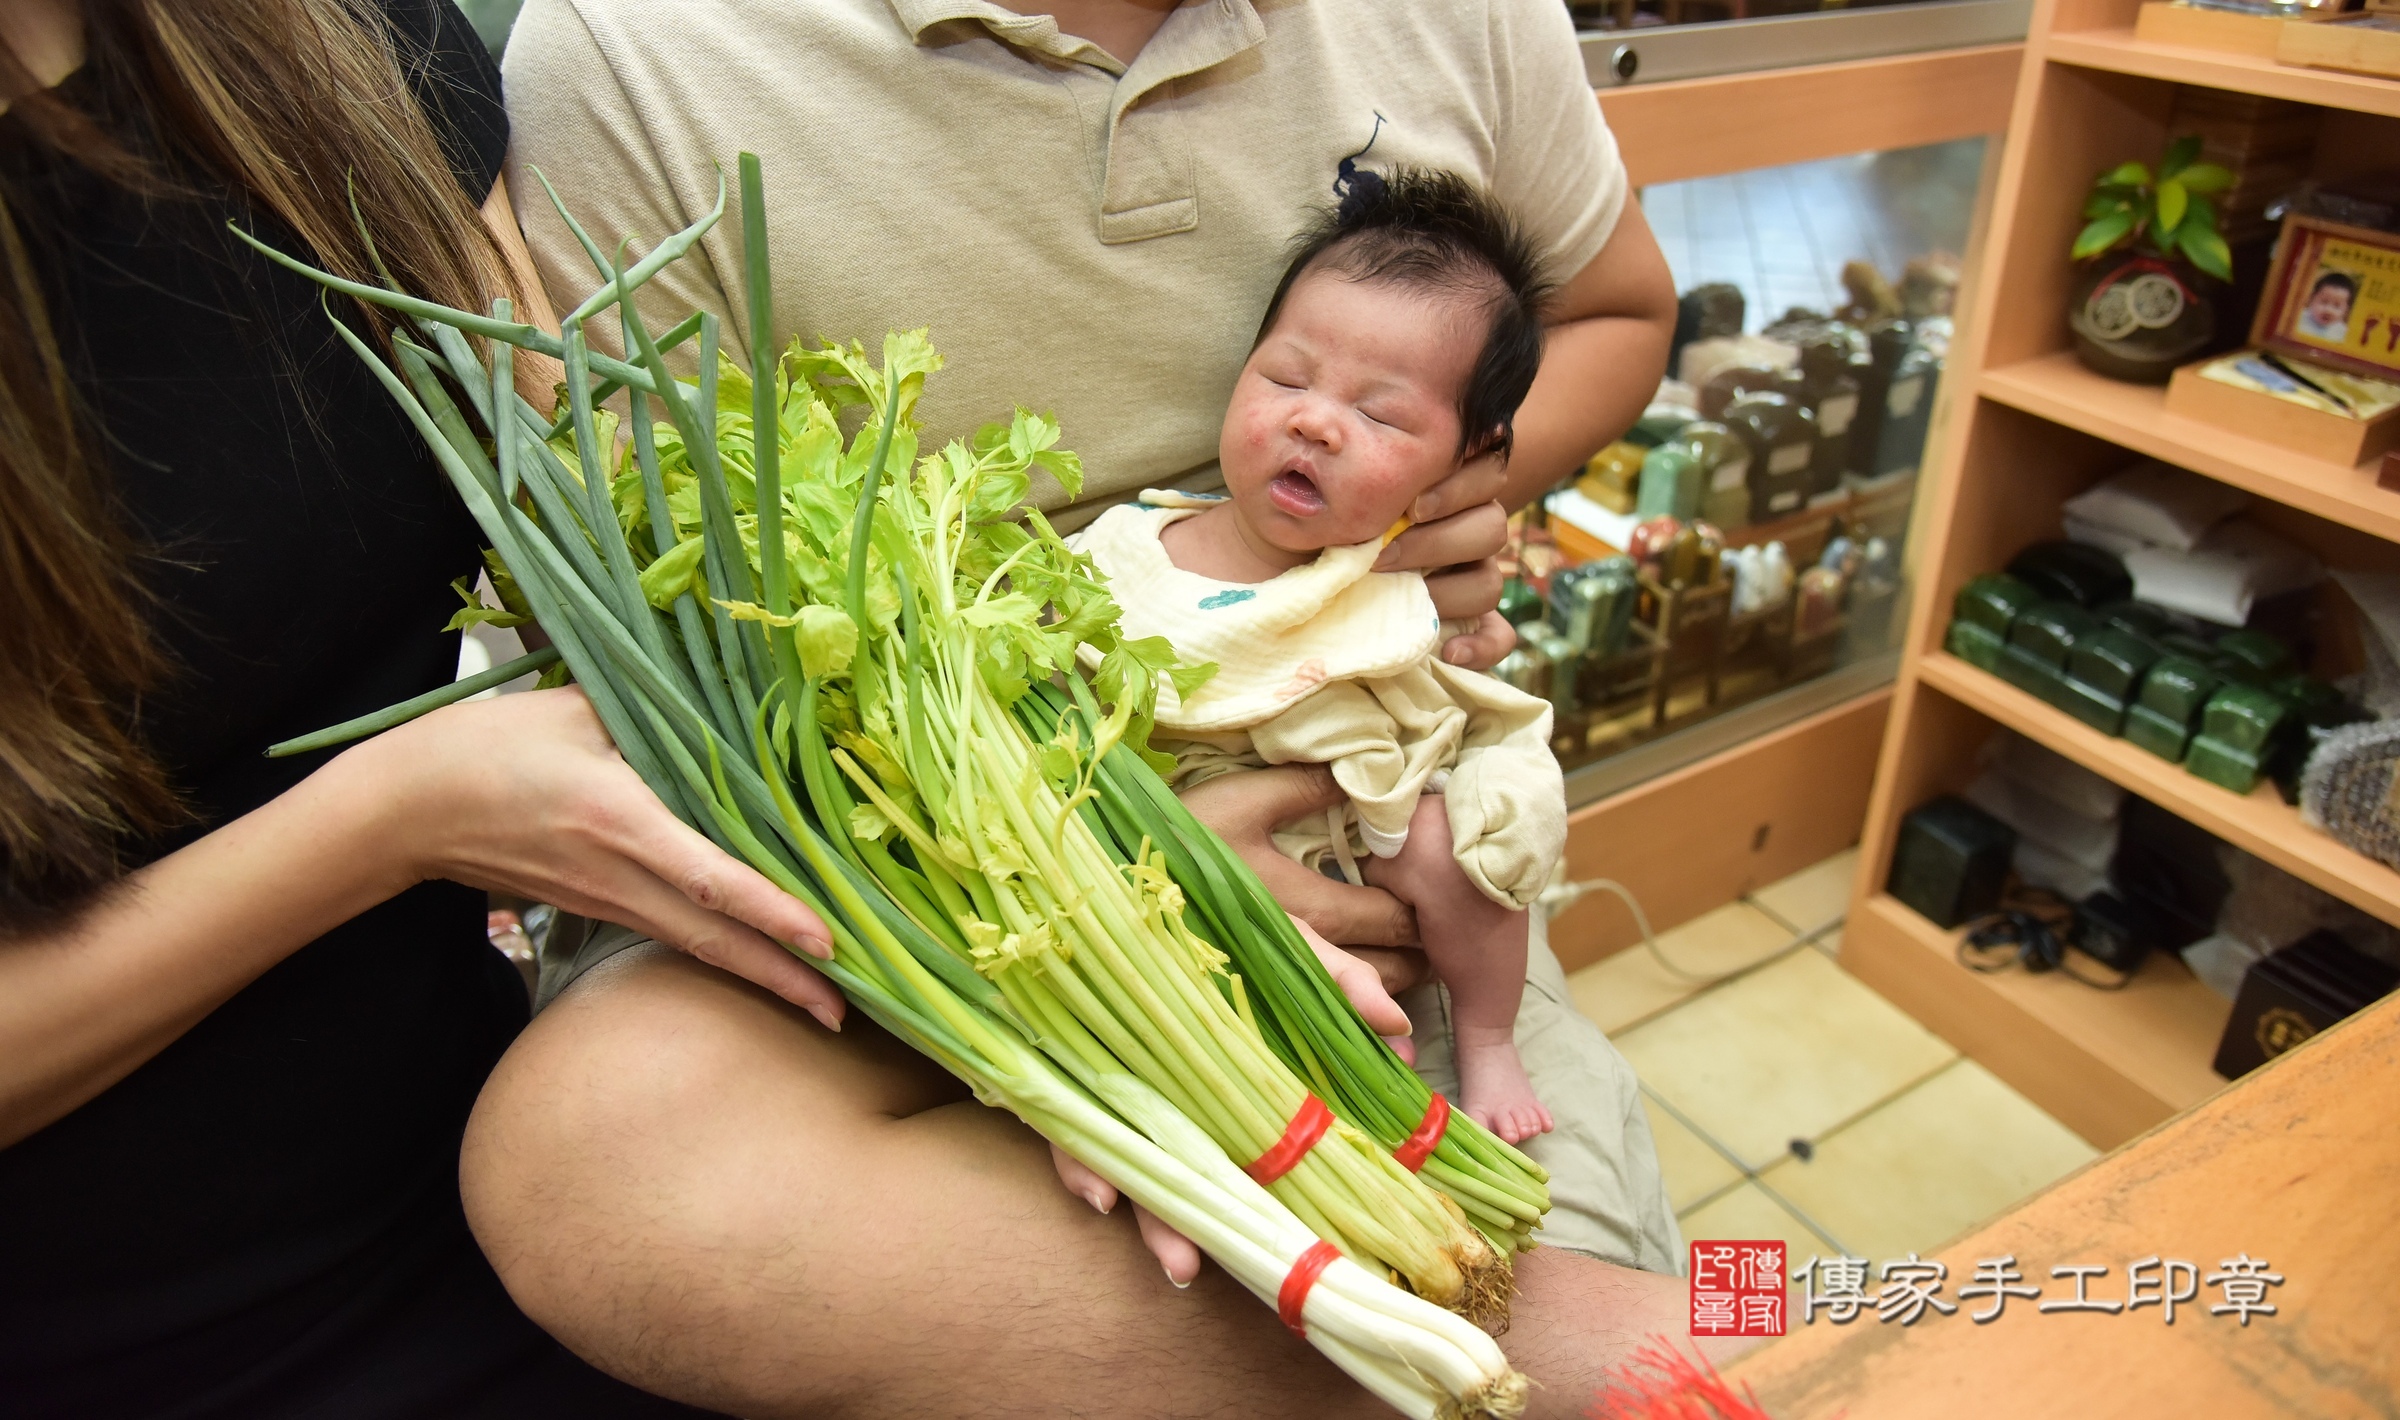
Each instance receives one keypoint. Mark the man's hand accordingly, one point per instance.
(1456, 534)
(1246, 809)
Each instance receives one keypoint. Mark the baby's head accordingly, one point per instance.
(2329, 300)
(1404, 336)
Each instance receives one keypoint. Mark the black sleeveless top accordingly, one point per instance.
(263, 1220)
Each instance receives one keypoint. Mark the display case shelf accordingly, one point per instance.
(2058, 388)
(2259, 822)
(2107, 1064)
(2118, 51)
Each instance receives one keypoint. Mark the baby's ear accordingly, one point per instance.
(1498, 439)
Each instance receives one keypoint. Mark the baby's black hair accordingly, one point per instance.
(2341, 280)
(1439, 233)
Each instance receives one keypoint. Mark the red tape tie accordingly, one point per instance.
(1299, 1136)
(1305, 1270)
(1418, 1147)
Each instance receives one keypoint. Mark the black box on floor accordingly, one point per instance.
(2294, 993)
(1951, 860)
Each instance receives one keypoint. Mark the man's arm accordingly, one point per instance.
(1607, 348)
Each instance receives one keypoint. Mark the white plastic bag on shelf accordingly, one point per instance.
(2237, 565)
(2154, 504)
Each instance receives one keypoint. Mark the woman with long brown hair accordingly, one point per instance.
(246, 1005)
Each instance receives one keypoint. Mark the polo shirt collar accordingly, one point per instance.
(1194, 37)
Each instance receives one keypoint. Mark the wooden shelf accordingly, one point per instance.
(2259, 822)
(2118, 51)
(2107, 1064)
(2058, 388)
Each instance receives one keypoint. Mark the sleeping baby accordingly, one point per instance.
(1397, 349)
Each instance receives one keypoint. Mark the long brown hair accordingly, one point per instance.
(290, 102)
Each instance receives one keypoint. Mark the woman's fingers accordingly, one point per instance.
(1360, 983)
(712, 879)
(1484, 647)
(1082, 1181)
(1174, 1251)
(1477, 533)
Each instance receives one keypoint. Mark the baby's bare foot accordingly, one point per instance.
(1497, 1093)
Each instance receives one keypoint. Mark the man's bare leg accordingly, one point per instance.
(700, 1190)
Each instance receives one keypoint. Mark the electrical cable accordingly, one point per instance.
(1558, 898)
(2033, 928)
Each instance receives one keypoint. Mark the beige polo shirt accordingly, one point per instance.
(1083, 236)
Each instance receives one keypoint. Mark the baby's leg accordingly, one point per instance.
(1477, 949)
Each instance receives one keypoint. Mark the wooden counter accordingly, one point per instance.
(2297, 1165)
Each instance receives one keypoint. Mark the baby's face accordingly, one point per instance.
(2330, 306)
(1346, 411)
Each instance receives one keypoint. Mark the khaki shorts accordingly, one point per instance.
(1607, 1198)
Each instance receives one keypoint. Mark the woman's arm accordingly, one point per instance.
(523, 794)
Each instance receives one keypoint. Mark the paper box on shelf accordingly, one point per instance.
(2202, 391)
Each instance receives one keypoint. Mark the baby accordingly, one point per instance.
(1404, 336)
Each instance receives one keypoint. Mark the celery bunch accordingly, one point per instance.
(860, 678)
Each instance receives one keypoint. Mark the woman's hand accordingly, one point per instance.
(525, 794)
(1458, 529)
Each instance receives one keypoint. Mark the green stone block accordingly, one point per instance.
(2113, 663)
(2140, 618)
(2161, 735)
(1993, 601)
(2029, 672)
(2241, 719)
(2224, 765)
(2050, 631)
(2177, 689)
(2094, 707)
(1978, 646)
(2307, 695)
(2262, 653)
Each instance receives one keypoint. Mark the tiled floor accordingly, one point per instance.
(1782, 234)
(1789, 1100)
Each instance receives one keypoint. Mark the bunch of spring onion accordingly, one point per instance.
(864, 686)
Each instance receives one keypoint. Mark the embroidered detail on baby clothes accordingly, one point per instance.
(1306, 676)
(1234, 597)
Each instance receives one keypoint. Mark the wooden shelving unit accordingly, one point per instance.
(2059, 388)
(2117, 50)
(2259, 822)
(2029, 427)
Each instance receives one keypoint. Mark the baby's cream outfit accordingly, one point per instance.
(1337, 664)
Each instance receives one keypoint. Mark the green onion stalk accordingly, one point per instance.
(839, 677)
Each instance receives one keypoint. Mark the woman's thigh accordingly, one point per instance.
(700, 1190)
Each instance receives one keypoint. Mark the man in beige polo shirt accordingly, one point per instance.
(1089, 207)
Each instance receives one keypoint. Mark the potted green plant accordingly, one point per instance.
(2154, 263)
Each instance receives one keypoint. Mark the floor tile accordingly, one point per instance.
(1794, 1049)
(1631, 986)
(1694, 1168)
(1926, 1167)
(1830, 943)
(1750, 1213)
(1814, 896)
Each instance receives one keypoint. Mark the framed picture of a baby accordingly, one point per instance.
(2333, 296)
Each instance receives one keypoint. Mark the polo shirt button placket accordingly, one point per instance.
(1150, 190)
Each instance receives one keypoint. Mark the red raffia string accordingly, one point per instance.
(1677, 1387)
(1293, 1296)
(1419, 1146)
(1308, 1125)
